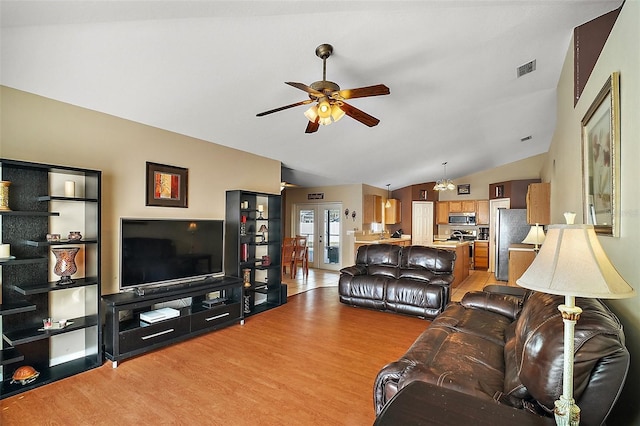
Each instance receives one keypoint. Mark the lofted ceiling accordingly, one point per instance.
(206, 68)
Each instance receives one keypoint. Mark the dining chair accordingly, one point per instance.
(288, 255)
(301, 256)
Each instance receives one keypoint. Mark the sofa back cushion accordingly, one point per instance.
(534, 357)
(426, 260)
(380, 259)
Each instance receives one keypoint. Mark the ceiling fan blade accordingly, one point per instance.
(313, 126)
(363, 92)
(305, 88)
(359, 115)
(282, 108)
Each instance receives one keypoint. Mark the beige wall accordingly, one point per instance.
(563, 169)
(41, 130)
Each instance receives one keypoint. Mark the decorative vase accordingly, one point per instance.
(4, 195)
(246, 276)
(65, 264)
(74, 236)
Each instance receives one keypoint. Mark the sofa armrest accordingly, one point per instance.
(506, 289)
(354, 270)
(503, 304)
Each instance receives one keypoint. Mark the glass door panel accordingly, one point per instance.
(321, 224)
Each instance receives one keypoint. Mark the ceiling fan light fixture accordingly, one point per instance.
(312, 113)
(336, 112)
(325, 121)
(324, 109)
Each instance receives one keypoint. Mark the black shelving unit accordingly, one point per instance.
(265, 289)
(30, 292)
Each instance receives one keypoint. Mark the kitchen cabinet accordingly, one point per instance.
(41, 204)
(442, 212)
(372, 209)
(393, 213)
(538, 203)
(482, 212)
(520, 257)
(481, 255)
(515, 190)
(466, 206)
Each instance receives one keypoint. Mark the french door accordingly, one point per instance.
(321, 224)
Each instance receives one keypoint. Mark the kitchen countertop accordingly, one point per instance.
(383, 241)
(448, 244)
(521, 247)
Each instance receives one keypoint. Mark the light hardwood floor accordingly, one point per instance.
(311, 361)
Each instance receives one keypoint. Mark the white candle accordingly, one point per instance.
(5, 250)
(260, 208)
(69, 188)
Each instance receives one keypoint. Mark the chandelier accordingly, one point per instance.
(444, 183)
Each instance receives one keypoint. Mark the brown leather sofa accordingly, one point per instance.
(510, 349)
(413, 280)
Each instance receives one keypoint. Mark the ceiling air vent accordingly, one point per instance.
(526, 68)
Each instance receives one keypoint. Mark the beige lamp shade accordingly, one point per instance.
(535, 235)
(572, 263)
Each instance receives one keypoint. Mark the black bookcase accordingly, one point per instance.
(250, 250)
(39, 205)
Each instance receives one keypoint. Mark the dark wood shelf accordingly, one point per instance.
(27, 213)
(10, 308)
(51, 374)
(31, 334)
(26, 276)
(37, 288)
(259, 297)
(60, 198)
(24, 261)
(10, 355)
(61, 242)
(262, 307)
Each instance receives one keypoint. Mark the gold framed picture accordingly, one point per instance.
(166, 185)
(601, 159)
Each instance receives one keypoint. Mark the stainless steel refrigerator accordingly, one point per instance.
(511, 228)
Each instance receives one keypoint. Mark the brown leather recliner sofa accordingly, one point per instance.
(413, 280)
(510, 349)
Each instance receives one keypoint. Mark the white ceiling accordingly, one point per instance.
(206, 68)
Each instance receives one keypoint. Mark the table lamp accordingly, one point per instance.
(572, 263)
(535, 236)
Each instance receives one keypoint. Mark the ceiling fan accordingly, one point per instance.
(331, 105)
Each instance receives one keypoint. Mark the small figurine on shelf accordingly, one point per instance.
(263, 229)
(74, 236)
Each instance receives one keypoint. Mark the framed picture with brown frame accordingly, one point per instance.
(601, 159)
(464, 189)
(166, 185)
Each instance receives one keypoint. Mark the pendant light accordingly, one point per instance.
(388, 203)
(444, 183)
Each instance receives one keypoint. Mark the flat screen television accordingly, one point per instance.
(156, 252)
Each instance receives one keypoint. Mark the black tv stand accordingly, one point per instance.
(126, 336)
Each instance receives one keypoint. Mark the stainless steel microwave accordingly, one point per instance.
(462, 218)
